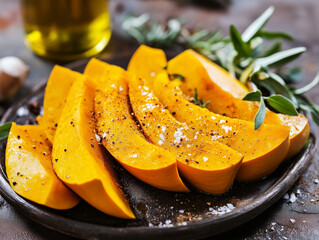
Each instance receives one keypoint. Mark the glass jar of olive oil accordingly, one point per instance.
(66, 29)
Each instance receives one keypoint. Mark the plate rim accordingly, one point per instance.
(204, 228)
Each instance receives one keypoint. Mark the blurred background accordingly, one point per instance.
(297, 18)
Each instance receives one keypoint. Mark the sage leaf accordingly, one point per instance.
(240, 46)
(308, 87)
(315, 116)
(273, 35)
(292, 75)
(280, 58)
(260, 115)
(4, 130)
(273, 49)
(282, 105)
(280, 87)
(253, 96)
(257, 25)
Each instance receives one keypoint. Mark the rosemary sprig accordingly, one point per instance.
(199, 102)
(246, 56)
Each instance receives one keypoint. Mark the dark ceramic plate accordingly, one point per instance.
(160, 214)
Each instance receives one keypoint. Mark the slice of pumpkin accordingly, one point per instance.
(146, 63)
(120, 135)
(29, 168)
(61, 78)
(263, 149)
(78, 158)
(215, 85)
(208, 165)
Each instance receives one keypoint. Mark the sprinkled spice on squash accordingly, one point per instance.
(82, 164)
(29, 168)
(263, 149)
(118, 130)
(226, 99)
(208, 165)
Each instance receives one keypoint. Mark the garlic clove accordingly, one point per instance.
(13, 73)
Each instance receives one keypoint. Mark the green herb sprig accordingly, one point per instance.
(199, 102)
(277, 102)
(4, 130)
(254, 57)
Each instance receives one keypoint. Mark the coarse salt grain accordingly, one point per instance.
(286, 196)
(160, 142)
(168, 222)
(292, 220)
(97, 137)
(22, 111)
(292, 198)
(221, 121)
(205, 159)
(162, 137)
(227, 128)
(120, 88)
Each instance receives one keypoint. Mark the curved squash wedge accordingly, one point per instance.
(61, 78)
(146, 63)
(29, 168)
(78, 159)
(216, 86)
(208, 165)
(263, 149)
(120, 134)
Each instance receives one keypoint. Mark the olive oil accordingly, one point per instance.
(66, 29)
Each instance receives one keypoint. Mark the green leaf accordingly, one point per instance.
(315, 116)
(280, 58)
(280, 87)
(282, 105)
(273, 35)
(4, 130)
(240, 46)
(199, 102)
(273, 49)
(253, 96)
(308, 87)
(175, 75)
(292, 75)
(260, 115)
(257, 25)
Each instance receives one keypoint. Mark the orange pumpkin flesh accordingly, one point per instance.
(56, 92)
(79, 161)
(29, 168)
(146, 63)
(225, 97)
(120, 134)
(263, 149)
(208, 165)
